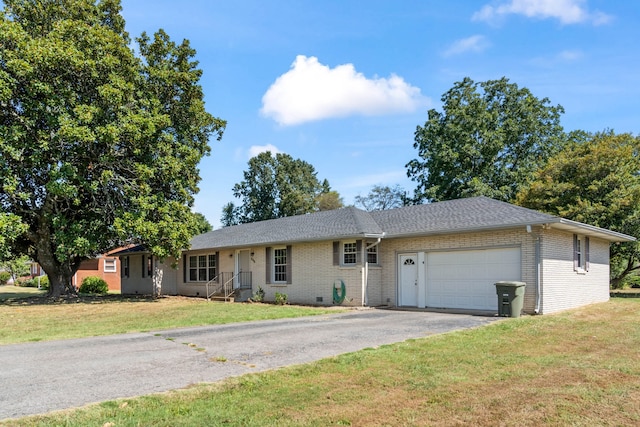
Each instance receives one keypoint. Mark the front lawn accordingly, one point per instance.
(578, 368)
(37, 319)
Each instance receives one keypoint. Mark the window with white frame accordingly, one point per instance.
(349, 253)
(580, 253)
(109, 265)
(280, 265)
(372, 254)
(202, 268)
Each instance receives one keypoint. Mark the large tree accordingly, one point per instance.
(595, 181)
(275, 186)
(99, 146)
(488, 140)
(382, 198)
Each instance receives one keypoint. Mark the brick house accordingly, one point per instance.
(105, 266)
(440, 255)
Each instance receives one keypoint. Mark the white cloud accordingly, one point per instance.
(312, 91)
(257, 149)
(475, 44)
(567, 11)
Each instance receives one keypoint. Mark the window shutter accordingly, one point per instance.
(144, 266)
(575, 251)
(336, 253)
(268, 263)
(128, 267)
(184, 268)
(289, 271)
(586, 253)
(358, 252)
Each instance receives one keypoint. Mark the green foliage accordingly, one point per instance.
(94, 285)
(17, 267)
(382, 197)
(258, 296)
(99, 146)
(11, 230)
(202, 225)
(281, 299)
(489, 140)
(595, 181)
(41, 282)
(275, 187)
(4, 277)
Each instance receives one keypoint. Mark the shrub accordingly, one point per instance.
(27, 283)
(259, 295)
(44, 282)
(281, 299)
(4, 277)
(93, 285)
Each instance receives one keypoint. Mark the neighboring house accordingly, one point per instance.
(105, 266)
(440, 255)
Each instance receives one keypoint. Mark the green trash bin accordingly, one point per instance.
(510, 298)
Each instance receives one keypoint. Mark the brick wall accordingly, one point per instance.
(563, 287)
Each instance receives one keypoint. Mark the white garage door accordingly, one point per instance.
(465, 279)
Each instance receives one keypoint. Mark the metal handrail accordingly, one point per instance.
(224, 287)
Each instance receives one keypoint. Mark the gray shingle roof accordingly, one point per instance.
(336, 224)
(454, 216)
(471, 214)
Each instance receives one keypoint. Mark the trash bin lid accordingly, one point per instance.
(507, 283)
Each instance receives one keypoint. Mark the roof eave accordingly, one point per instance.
(590, 230)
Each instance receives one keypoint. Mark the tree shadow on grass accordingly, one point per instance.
(21, 300)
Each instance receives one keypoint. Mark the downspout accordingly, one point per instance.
(365, 278)
(536, 310)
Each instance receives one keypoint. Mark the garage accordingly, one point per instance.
(456, 279)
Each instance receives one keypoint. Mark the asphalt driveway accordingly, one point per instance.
(41, 377)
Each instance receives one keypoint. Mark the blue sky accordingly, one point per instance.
(342, 84)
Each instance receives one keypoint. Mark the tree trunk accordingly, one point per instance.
(60, 284)
(157, 279)
(60, 273)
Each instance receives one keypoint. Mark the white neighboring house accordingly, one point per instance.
(442, 255)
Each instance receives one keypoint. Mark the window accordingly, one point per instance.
(349, 253)
(125, 266)
(150, 266)
(280, 265)
(202, 268)
(109, 265)
(580, 253)
(372, 255)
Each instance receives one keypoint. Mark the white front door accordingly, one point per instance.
(408, 279)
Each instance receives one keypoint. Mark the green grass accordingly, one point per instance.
(15, 292)
(578, 368)
(37, 319)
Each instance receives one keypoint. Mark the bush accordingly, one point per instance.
(27, 283)
(281, 299)
(44, 282)
(4, 277)
(93, 285)
(259, 295)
